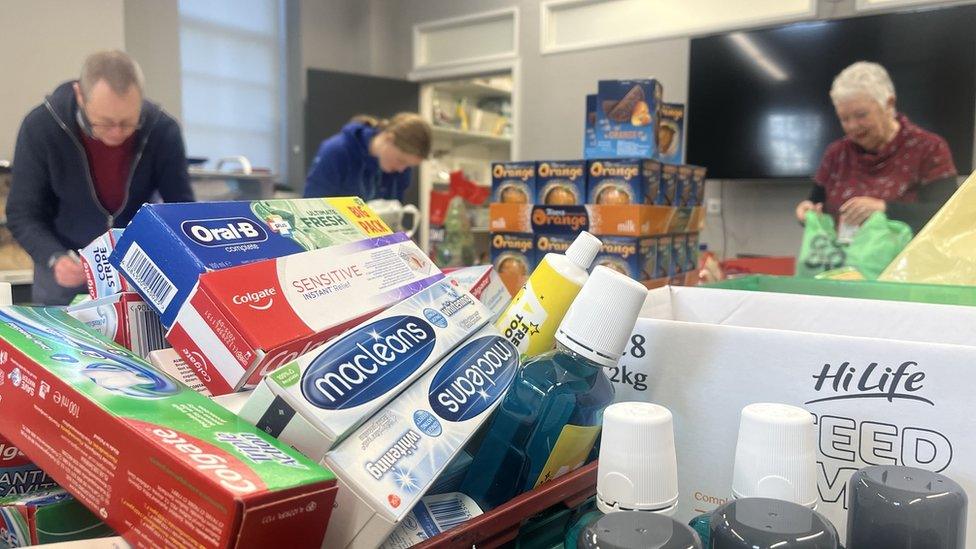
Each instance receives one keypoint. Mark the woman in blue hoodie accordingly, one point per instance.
(370, 158)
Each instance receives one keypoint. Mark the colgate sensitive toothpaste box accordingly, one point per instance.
(315, 401)
(243, 322)
(125, 319)
(166, 247)
(159, 463)
(388, 463)
(103, 280)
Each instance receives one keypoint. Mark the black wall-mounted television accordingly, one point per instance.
(758, 104)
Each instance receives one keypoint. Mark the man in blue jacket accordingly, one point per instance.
(84, 162)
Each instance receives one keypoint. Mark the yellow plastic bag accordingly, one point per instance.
(944, 252)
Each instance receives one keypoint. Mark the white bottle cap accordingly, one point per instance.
(776, 454)
(602, 316)
(638, 470)
(583, 250)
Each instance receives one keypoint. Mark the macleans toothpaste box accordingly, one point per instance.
(51, 516)
(124, 318)
(484, 283)
(243, 322)
(103, 280)
(389, 462)
(315, 401)
(166, 247)
(157, 462)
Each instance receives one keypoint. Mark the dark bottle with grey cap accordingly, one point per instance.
(638, 530)
(763, 523)
(892, 507)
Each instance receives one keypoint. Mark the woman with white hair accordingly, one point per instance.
(884, 162)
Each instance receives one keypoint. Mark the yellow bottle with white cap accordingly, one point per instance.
(530, 321)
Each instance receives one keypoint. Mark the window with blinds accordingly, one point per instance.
(233, 73)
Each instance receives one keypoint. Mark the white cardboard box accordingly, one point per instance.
(706, 353)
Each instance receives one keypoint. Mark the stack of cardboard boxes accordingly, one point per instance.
(632, 190)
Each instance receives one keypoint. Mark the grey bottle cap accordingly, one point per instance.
(900, 507)
(638, 530)
(763, 523)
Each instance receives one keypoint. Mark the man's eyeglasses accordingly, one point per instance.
(102, 127)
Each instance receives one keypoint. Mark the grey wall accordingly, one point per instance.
(152, 37)
(44, 43)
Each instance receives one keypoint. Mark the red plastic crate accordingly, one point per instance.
(501, 525)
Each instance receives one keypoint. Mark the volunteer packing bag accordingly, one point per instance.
(872, 248)
(942, 253)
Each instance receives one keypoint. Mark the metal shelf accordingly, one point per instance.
(462, 137)
(471, 89)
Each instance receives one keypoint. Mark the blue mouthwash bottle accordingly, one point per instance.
(638, 469)
(775, 457)
(547, 423)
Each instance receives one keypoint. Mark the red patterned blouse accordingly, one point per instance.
(913, 158)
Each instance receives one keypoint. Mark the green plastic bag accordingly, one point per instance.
(873, 247)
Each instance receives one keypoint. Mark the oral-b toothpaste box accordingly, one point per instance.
(51, 516)
(166, 247)
(315, 401)
(390, 461)
(102, 278)
(18, 475)
(671, 133)
(243, 322)
(159, 463)
(484, 284)
(124, 318)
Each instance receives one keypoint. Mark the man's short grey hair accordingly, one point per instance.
(115, 67)
(863, 78)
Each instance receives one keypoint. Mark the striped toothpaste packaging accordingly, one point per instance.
(389, 462)
(243, 322)
(315, 401)
(125, 319)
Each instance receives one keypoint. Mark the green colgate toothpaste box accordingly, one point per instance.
(50, 516)
(156, 461)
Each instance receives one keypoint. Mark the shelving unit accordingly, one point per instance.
(487, 138)
(470, 137)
